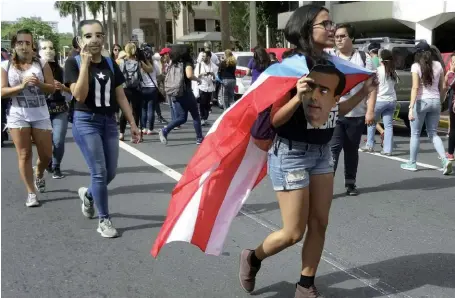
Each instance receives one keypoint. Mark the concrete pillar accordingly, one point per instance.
(423, 32)
(118, 17)
(267, 37)
(253, 25)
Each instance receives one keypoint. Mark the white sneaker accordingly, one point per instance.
(106, 229)
(87, 205)
(32, 200)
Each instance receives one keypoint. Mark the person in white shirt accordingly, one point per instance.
(27, 81)
(206, 70)
(425, 105)
(385, 103)
(208, 47)
(349, 129)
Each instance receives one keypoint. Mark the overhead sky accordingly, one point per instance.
(12, 10)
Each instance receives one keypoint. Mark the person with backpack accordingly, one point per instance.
(177, 85)
(96, 83)
(27, 81)
(131, 69)
(349, 129)
(58, 109)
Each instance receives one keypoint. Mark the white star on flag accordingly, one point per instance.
(101, 76)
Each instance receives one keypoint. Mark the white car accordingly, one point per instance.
(243, 81)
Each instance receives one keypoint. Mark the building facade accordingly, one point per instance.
(433, 21)
(145, 16)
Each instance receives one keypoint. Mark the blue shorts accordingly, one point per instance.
(290, 164)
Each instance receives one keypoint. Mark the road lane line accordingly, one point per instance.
(423, 165)
(270, 226)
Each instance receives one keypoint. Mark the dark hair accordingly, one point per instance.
(286, 54)
(180, 53)
(299, 29)
(272, 54)
(14, 58)
(350, 29)
(112, 50)
(261, 59)
(57, 71)
(208, 53)
(87, 22)
(425, 60)
(74, 43)
(327, 67)
(389, 65)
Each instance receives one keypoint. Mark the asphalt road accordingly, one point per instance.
(396, 239)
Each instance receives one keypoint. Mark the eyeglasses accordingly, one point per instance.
(327, 24)
(341, 36)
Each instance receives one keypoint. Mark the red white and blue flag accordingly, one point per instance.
(229, 164)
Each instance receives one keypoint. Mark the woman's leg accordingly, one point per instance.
(387, 118)
(190, 105)
(144, 114)
(181, 116)
(59, 129)
(431, 122)
(321, 195)
(416, 129)
(22, 139)
(43, 142)
(152, 95)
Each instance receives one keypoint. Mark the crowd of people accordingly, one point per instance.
(95, 90)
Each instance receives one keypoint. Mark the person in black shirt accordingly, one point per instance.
(226, 74)
(58, 109)
(300, 162)
(96, 85)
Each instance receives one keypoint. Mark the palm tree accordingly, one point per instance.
(162, 34)
(70, 8)
(94, 7)
(224, 22)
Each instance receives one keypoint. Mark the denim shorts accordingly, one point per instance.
(44, 124)
(291, 163)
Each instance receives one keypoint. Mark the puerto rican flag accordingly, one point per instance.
(229, 164)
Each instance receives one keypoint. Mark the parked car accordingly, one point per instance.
(243, 81)
(403, 51)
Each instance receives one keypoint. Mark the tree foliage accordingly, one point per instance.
(40, 30)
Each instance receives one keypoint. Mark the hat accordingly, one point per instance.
(374, 46)
(165, 51)
(422, 47)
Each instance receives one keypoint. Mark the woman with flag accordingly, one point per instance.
(300, 163)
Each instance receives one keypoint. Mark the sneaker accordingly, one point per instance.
(450, 157)
(149, 132)
(366, 149)
(162, 120)
(202, 122)
(446, 167)
(87, 204)
(32, 200)
(57, 174)
(311, 292)
(409, 166)
(199, 141)
(351, 190)
(40, 184)
(106, 229)
(386, 154)
(247, 273)
(49, 169)
(163, 138)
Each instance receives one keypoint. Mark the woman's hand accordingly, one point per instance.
(30, 80)
(58, 85)
(411, 115)
(135, 133)
(304, 90)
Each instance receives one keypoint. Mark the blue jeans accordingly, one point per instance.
(384, 109)
(183, 105)
(428, 111)
(149, 98)
(59, 128)
(97, 137)
(228, 92)
(171, 107)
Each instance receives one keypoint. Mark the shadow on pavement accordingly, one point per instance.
(394, 276)
(164, 187)
(153, 221)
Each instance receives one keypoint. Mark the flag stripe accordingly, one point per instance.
(239, 189)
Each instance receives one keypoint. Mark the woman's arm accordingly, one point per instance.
(48, 86)
(190, 74)
(414, 89)
(8, 92)
(147, 66)
(283, 110)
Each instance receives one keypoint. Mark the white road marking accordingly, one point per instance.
(423, 165)
(270, 226)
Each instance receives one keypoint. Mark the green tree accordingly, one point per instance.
(70, 8)
(40, 30)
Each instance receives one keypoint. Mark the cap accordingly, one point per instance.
(374, 46)
(423, 47)
(165, 51)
